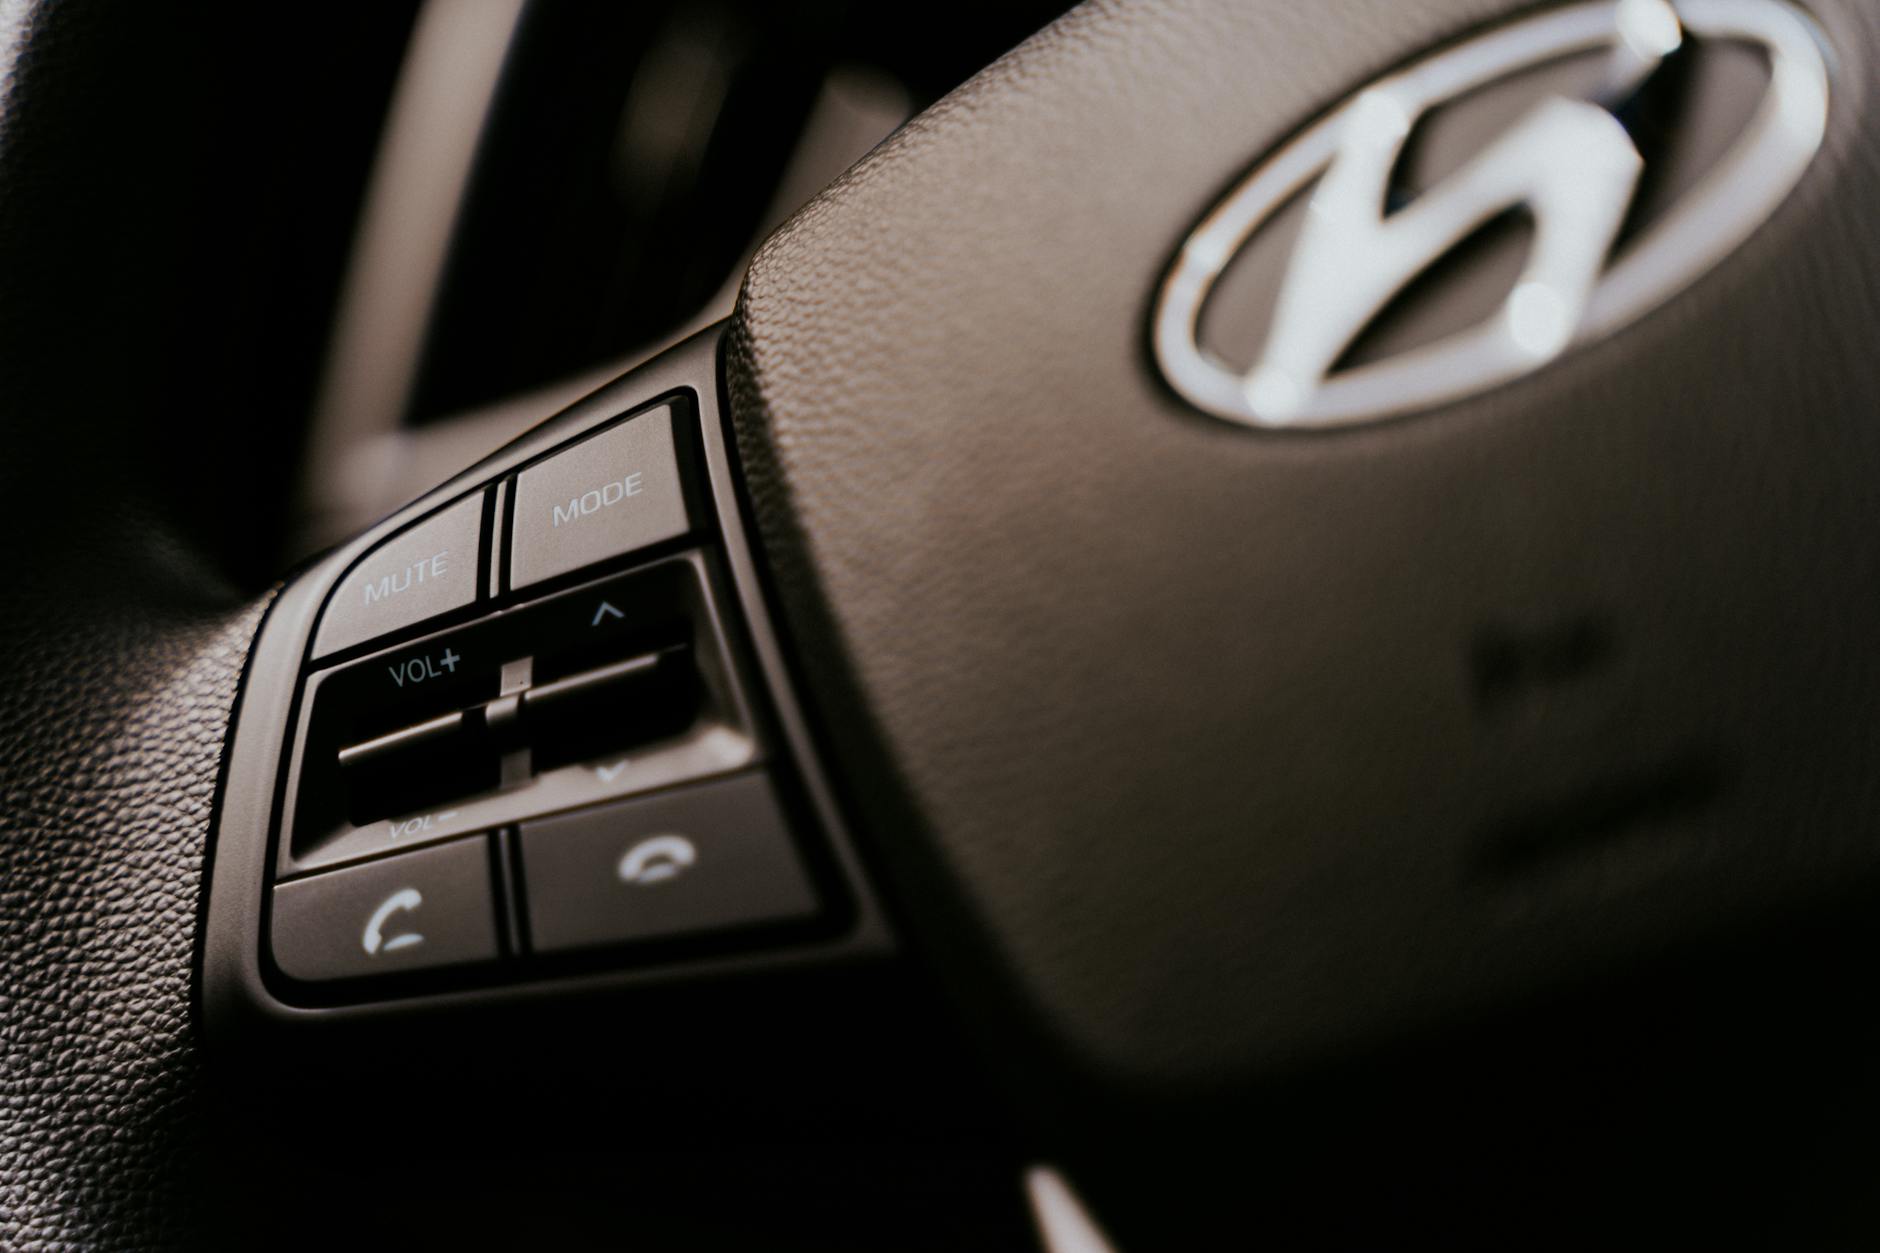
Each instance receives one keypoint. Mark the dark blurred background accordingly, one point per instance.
(454, 217)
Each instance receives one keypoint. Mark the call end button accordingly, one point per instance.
(425, 571)
(705, 858)
(610, 494)
(416, 911)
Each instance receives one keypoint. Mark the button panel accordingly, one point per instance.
(613, 687)
(429, 570)
(418, 911)
(700, 859)
(610, 494)
(564, 775)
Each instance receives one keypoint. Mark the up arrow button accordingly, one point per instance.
(604, 612)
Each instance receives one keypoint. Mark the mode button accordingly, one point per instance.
(611, 493)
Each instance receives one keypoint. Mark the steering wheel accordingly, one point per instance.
(1411, 780)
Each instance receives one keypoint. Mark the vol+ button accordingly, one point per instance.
(424, 667)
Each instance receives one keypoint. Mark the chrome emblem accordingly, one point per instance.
(1569, 162)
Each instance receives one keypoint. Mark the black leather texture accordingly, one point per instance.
(121, 643)
(1196, 752)
(111, 732)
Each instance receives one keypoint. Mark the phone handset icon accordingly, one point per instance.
(658, 858)
(374, 940)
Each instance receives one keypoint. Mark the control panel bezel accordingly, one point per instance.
(239, 991)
